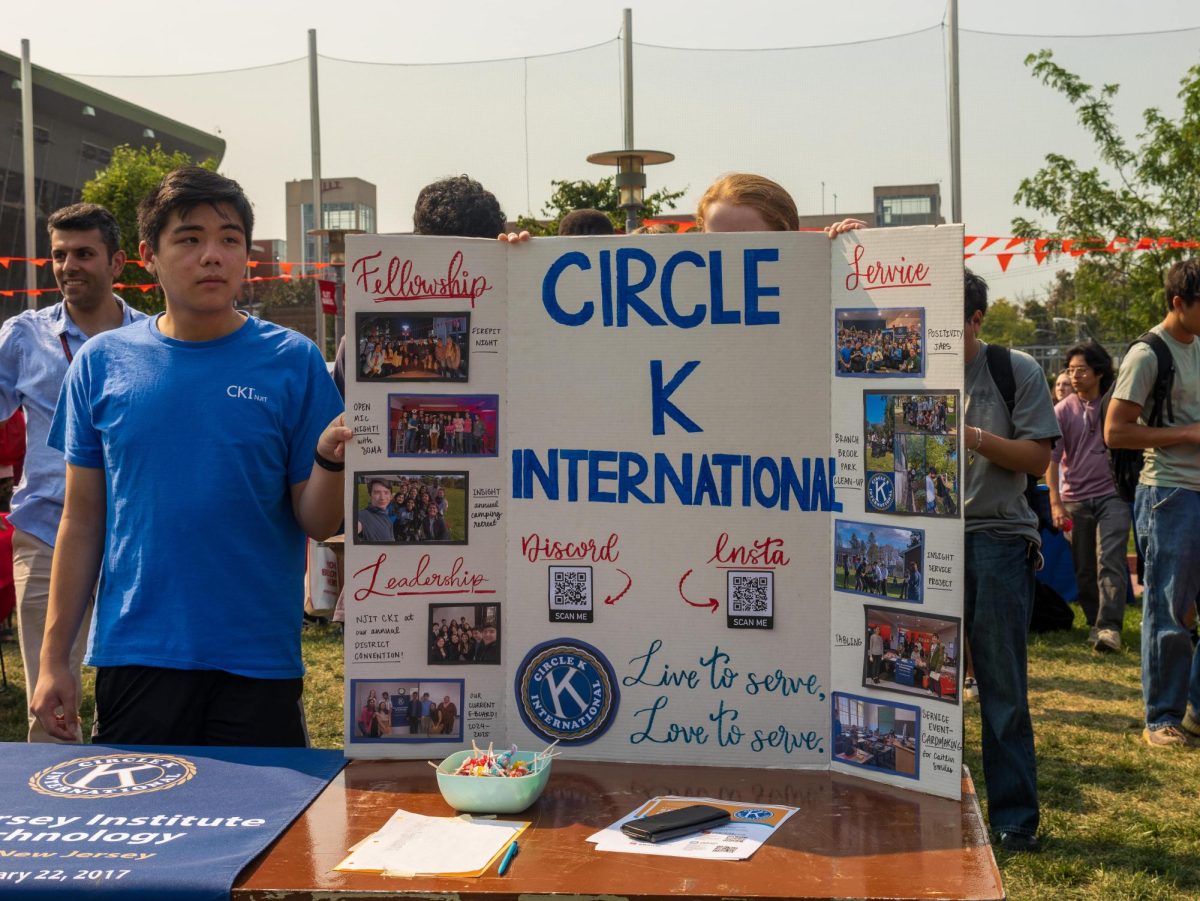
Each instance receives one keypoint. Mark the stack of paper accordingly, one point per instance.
(749, 826)
(410, 845)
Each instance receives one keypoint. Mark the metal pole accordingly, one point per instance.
(631, 217)
(314, 115)
(27, 163)
(955, 123)
(627, 47)
(339, 318)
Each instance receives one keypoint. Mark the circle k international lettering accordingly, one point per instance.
(113, 775)
(567, 691)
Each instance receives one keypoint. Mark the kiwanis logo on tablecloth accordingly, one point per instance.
(567, 691)
(113, 775)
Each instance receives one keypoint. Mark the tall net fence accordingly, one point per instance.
(829, 123)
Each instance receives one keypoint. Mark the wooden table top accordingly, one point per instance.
(850, 839)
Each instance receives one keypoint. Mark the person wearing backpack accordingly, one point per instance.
(1003, 443)
(1087, 499)
(1166, 504)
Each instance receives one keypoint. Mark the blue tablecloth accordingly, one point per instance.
(156, 823)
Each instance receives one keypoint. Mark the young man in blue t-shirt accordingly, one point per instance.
(201, 446)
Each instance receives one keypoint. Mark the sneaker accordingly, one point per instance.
(970, 690)
(1018, 842)
(1170, 736)
(1107, 640)
(1191, 723)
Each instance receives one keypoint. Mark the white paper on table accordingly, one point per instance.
(736, 840)
(410, 844)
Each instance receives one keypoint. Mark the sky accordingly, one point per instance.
(861, 107)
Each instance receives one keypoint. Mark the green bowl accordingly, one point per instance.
(490, 794)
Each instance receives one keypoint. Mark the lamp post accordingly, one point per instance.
(631, 164)
(335, 239)
(631, 177)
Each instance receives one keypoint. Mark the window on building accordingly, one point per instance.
(95, 153)
(851, 712)
(905, 210)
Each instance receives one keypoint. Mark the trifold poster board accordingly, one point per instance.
(673, 499)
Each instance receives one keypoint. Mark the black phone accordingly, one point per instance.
(660, 827)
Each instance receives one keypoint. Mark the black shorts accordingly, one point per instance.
(148, 705)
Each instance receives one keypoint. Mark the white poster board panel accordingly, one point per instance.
(426, 360)
(898, 546)
(718, 642)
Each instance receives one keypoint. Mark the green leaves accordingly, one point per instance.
(1145, 187)
(120, 187)
(597, 195)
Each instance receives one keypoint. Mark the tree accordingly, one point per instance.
(1149, 189)
(119, 187)
(1005, 325)
(597, 195)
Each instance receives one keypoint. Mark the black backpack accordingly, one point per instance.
(1126, 463)
(999, 362)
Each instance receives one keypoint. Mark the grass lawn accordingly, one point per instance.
(1119, 820)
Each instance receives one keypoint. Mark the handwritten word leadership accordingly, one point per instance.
(694, 480)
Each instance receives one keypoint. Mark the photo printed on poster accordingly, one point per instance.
(912, 653)
(401, 506)
(413, 347)
(910, 445)
(887, 343)
(464, 634)
(406, 710)
(877, 560)
(443, 425)
(876, 735)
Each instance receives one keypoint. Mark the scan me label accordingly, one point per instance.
(566, 690)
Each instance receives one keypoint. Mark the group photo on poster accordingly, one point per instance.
(870, 342)
(876, 735)
(415, 347)
(410, 507)
(880, 561)
(406, 710)
(910, 443)
(455, 425)
(464, 634)
(911, 653)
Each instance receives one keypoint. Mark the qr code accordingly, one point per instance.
(570, 587)
(751, 593)
(726, 849)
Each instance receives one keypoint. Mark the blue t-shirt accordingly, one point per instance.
(200, 442)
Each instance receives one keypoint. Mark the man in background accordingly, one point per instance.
(1002, 449)
(35, 350)
(1167, 508)
(585, 223)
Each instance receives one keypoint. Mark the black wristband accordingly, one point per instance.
(331, 465)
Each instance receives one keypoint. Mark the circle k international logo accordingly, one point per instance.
(754, 813)
(110, 775)
(567, 691)
(880, 491)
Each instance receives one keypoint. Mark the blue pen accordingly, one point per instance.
(507, 859)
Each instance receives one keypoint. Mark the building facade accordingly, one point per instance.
(75, 128)
(347, 203)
